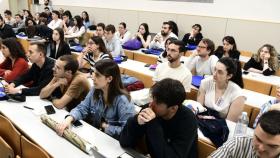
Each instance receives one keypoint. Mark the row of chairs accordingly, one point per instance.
(14, 144)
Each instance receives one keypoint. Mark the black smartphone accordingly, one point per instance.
(77, 123)
(245, 72)
(49, 109)
(147, 65)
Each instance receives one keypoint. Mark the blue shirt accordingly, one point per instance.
(115, 115)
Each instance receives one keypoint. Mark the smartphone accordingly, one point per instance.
(77, 123)
(125, 155)
(147, 65)
(245, 72)
(49, 109)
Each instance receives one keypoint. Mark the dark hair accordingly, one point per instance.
(147, 32)
(233, 67)
(43, 15)
(210, 45)
(231, 41)
(79, 21)
(269, 122)
(168, 91)
(29, 19)
(179, 43)
(8, 12)
(108, 67)
(29, 13)
(197, 25)
(71, 63)
(164, 54)
(61, 33)
(41, 47)
(174, 27)
(101, 25)
(123, 24)
(87, 17)
(67, 13)
(167, 23)
(1, 18)
(56, 12)
(99, 41)
(20, 16)
(46, 8)
(111, 28)
(15, 48)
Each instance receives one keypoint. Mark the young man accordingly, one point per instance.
(202, 62)
(19, 23)
(67, 21)
(56, 22)
(39, 74)
(68, 86)
(9, 20)
(112, 43)
(123, 34)
(6, 31)
(170, 129)
(159, 40)
(264, 144)
(174, 68)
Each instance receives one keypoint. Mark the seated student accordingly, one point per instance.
(159, 40)
(174, 27)
(162, 58)
(143, 35)
(123, 34)
(194, 37)
(174, 68)
(86, 20)
(6, 31)
(19, 23)
(228, 49)
(15, 63)
(9, 20)
(68, 86)
(37, 18)
(40, 73)
(93, 52)
(47, 14)
(112, 42)
(170, 129)
(58, 46)
(27, 14)
(202, 62)
(67, 21)
(264, 144)
(100, 27)
(56, 21)
(107, 103)
(77, 31)
(264, 62)
(223, 92)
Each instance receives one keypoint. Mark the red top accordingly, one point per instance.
(20, 67)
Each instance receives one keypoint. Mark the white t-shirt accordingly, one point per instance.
(126, 37)
(158, 45)
(202, 67)
(55, 24)
(222, 105)
(180, 73)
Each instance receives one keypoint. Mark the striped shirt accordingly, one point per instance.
(237, 147)
(89, 58)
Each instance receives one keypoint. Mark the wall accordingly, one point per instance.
(4, 5)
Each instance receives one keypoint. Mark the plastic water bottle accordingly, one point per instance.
(241, 125)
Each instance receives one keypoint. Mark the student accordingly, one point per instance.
(56, 22)
(77, 31)
(48, 3)
(264, 144)
(202, 62)
(86, 20)
(67, 21)
(159, 40)
(123, 34)
(15, 63)
(48, 14)
(19, 23)
(174, 68)
(264, 62)
(27, 14)
(94, 51)
(143, 35)
(37, 18)
(170, 129)
(223, 92)
(112, 42)
(9, 20)
(40, 73)
(228, 49)
(6, 31)
(58, 46)
(100, 29)
(68, 86)
(162, 58)
(174, 27)
(107, 103)
(194, 37)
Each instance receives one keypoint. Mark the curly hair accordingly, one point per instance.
(272, 61)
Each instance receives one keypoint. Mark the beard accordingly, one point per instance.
(164, 34)
(170, 59)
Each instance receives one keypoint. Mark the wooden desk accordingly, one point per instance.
(23, 41)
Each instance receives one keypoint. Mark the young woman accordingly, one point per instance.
(228, 49)
(94, 51)
(223, 92)
(143, 35)
(108, 104)
(85, 18)
(58, 46)
(77, 30)
(194, 37)
(163, 56)
(15, 63)
(27, 14)
(264, 62)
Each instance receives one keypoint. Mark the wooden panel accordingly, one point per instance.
(129, 54)
(246, 53)
(147, 80)
(273, 91)
(192, 94)
(248, 109)
(257, 86)
(149, 59)
(30, 149)
(5, 149)
(24, 43)
(255, 112)
(204, 149)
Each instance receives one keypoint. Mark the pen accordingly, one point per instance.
(28, 107)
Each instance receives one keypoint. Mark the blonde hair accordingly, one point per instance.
(273, 60)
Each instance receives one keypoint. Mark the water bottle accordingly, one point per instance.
(241, 125)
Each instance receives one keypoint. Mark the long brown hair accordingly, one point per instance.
(272, 61)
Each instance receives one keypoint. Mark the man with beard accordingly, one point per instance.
(202, 61)
(160, 38)
(174, 68)
(68, 86)
(6, 31)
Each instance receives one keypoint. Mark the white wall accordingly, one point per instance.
(4, 5)
(259, 10)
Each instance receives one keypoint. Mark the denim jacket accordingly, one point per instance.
(115, 115)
